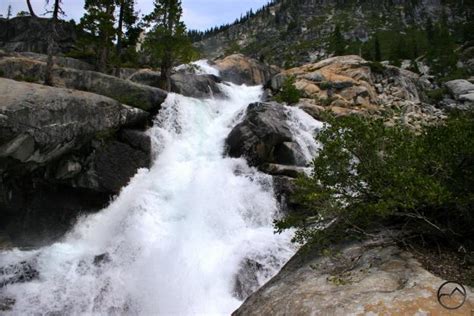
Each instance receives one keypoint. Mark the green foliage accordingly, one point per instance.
(22, 13)
(325, 85)
(168, 43)
(232, 48)
(104, 23)
(436, 95)
(99, 25)
(376, 67)
(289, 93)
(337, 42)
(369, 175)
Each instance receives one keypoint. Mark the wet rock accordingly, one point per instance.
(116, 163)
(6, 304)
(102, 259)
(136, 139)
(246, 281)
(62, 153)
(18, 273)
(370, 277)
(263, 129)
(196, 86)
(282, 170)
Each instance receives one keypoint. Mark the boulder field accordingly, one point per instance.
(346, 85)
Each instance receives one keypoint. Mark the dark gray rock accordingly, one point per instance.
(62, 153)
(136, 139)
(41, 123)
(125, 91)
(58, 60)
(146, 77)
(264, 136)
(284, 187)
(28, 34)
(196, 86)
(246, 281)
(264, 127)
(116, 163)
(282, 170)
(183, 82)
(18, 273)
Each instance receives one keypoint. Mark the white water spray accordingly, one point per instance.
(174, 239)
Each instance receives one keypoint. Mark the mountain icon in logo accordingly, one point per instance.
(451, 295)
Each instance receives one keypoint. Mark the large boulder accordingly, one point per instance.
(62, 152)
(196, 86)
(240, 69)
(126, 92)
(460, 87)
(264, 136)
(185, 83)
(27, 34)
(40, 123)
(60, 61)
(373, 277)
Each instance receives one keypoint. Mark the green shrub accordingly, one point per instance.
(325, 85)
(375, 67)
(289, 93)
(436, 95)
(368, 176)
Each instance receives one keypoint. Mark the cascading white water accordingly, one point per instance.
(174, 239)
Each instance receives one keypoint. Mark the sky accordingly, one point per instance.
(197, 14)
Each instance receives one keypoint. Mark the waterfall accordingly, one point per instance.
(174, 240)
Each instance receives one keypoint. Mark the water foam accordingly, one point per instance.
(175, 237)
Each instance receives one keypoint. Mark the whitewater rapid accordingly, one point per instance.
(173, 241)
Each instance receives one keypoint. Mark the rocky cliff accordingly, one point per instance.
(294, 32)
(27, 34)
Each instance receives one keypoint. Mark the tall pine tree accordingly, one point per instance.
(167, 43)
(127, 29)
(99, 22)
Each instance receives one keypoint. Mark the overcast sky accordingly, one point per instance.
(198, 14)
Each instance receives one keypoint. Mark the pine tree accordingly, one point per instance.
(430, 31)
(127, 31)
(338, 43)
(378, 53)
(99, 21)
(167, 43)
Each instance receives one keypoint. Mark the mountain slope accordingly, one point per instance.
(294, 32)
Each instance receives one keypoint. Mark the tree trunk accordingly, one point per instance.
(51, 45)
(165, 75)
(30, 8)
(119, 37)
(104, 52)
